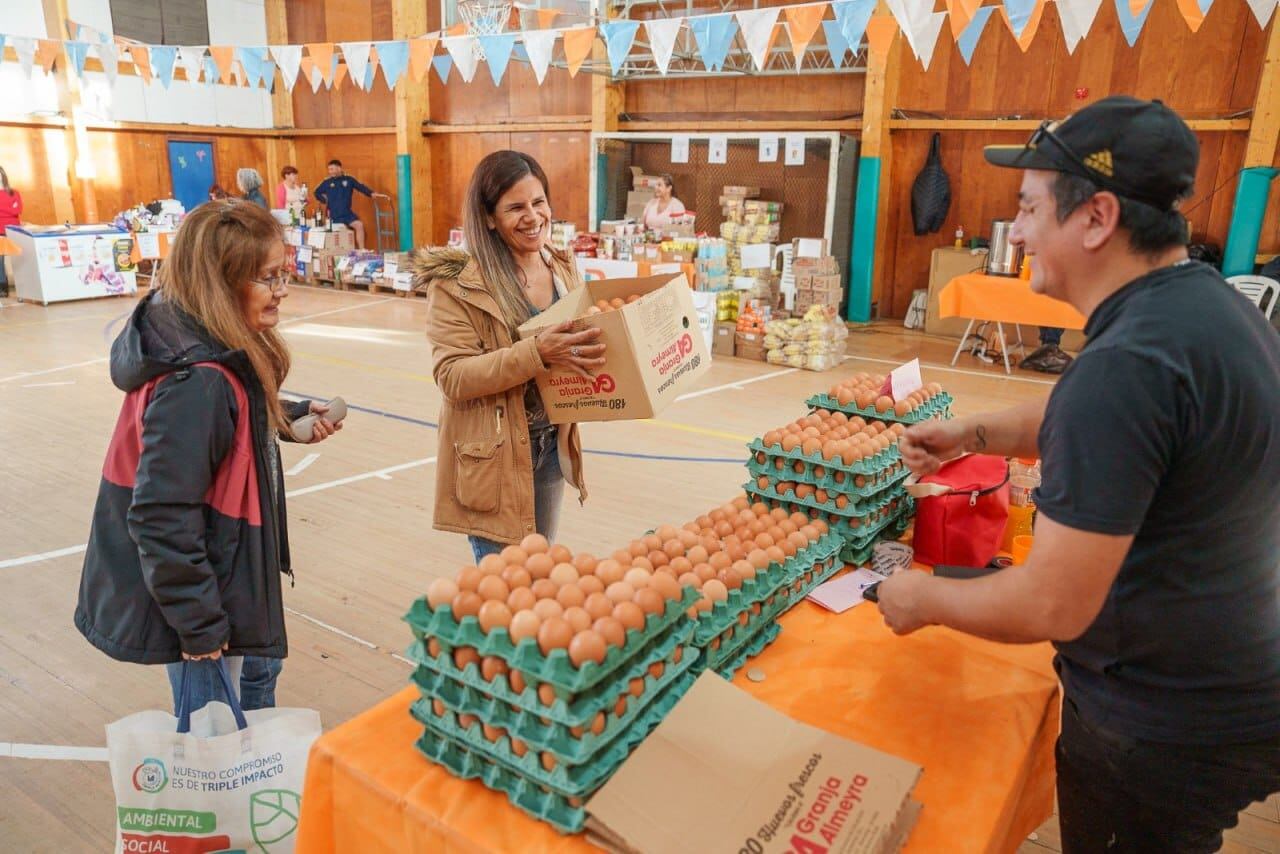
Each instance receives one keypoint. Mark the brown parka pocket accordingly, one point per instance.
(477, 482)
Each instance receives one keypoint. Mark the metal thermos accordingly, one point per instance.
(1004, 259)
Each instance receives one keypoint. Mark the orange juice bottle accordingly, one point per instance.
(1024, 477)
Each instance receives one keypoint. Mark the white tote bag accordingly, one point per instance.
(219, 780)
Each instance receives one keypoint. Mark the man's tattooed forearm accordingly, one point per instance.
(980, 434)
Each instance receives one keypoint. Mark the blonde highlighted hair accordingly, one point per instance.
(218, 252)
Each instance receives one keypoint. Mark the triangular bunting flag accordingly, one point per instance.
(443, 64)
(289, 59)
(958, 16)
(163, 58)
(714, 35)
(224, 57)
(1131, 25)
(1018, 14)
(76, 52)
(25, 48)
(1192, 13)
(662, 34)
(880, 32)
(254, 61)
(547, 17)
(497, 53)
(802, 24)
(836, 45)
(370, 74)
(465, 56)
(619, 36)
(141, 54)
(210, 71)
(47, 51)
(923, 37)
(192, 61)
(321, 54)
(458, 29)
(269, 75)
(420, 53)
(539, 44)
(110, 59)
(357, 56)
(1077, 18)
(340, 76)
(394, 57)
(852, 18)
(577, 46)
(1262, 10)
(1029, 32)
(758, 31)
(968, 40)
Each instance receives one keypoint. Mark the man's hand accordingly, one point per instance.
(926, 446)
(381, 196)
(900, 600)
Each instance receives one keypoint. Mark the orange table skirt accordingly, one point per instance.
(980, 717)
(1004, 299)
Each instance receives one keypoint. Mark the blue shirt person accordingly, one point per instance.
(336, 192)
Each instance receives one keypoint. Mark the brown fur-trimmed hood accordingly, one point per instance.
(430, 265)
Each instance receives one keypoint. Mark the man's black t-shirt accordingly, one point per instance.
(1167, 427)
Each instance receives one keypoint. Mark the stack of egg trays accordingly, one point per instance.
(750, 641)
(554, 669)
(828, 512)
(536, 794)
(562, 729)
(871, 465)
(728, 667)
(891, 474)
(865, 536)
(938, 406)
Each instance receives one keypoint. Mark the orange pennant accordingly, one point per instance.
(959, 17)
(547, 17)
(1136, 6)
(577, 47)
(881, 30)
(422, 50)
(1190, 10)
(458, 29)
(340, 76)
(142, 61)
(47, 52)
(802, 24)
(305, 66)
(224, 58)
(322, 55)
(1033, 24)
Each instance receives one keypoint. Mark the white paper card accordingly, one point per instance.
(905, 379)
(680, 149)
(795, 149)
(768, 149)
(840, 594)
(293, 237)
(342, 264)
(304, 254)
(360, 268)
(808, 247)
(315, 237)
(757, 256)
(718, 148)
(389, 268)
(403, 282)
(743, 283)
(148, 245)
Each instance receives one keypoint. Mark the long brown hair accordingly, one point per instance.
(496, 174)
(4, 179)
(217, 253)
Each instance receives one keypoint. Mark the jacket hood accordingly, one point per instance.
(158, 339)
(430, 265)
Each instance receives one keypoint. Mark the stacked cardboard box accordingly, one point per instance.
(818, 282)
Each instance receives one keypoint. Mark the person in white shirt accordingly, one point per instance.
(663, 206)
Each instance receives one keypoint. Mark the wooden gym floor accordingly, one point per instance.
(360, 522)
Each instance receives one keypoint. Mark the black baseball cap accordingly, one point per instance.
(1141, 150)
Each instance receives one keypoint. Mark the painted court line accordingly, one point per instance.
(334, 629)
(736, 384)
(301, 465)
(20, 561)
(13, 750)
(49, 385)
(933, 367)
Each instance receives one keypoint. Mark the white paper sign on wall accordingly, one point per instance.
(718, 149)
(795, 149)
(680, 149)
(768, 149)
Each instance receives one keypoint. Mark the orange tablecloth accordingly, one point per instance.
(980, 717)
(1004, 299)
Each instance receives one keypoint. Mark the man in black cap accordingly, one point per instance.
(1156, 563)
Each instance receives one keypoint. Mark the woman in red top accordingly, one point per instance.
(10, 214)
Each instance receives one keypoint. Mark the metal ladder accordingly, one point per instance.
(385, 225)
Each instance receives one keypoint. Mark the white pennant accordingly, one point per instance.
(1263, 10)
(288, 58)
(317, 80)
(192, 61)
(357, 56)
(25, 48)
(923, 37)
(662, 39)
(464, 53)
(110, 59)
(757, 31)
(1077, 18)
(539, 44)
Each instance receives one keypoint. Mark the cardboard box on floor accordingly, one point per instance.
(726, 772)
(654, 350)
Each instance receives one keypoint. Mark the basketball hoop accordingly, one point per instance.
(484, 18)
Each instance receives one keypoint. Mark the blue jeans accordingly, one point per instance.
(1050, 336)
(206, 684)
(258, 682)
(548, 490)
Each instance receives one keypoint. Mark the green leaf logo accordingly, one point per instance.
(273, 816)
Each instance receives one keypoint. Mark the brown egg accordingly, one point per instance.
(578, 618)
(491, 666)
(535, 544)
(547, 759)
(589, 584)
(810, 533)
(823, 527)
(560, 554)
(467, 721)
(465, 655)
(546, 694)
(545, 588)
(609, 572)
(637, 578)
(564, 573)
(901, 407)
(524, 624)
(617, 302)
(466, 604)
(680, 565)
(776, 554)
(493, 588)
(517, 680)
(611, 630)
(655, 559)
(730, 578)
(620, 591)
(642, 563)
(514, 556)
(650, 601)
(587, 645)
(598, 723)
(629, 614)
(516, 576)
(692, 579)
(554, 633)
(585, 563)
(441, 592)
(665, 585)
(571, 596)
(539, 566)
(715, 590)
(790, 442)
(494, 614)
(519, 748)
(469, 578)
(548, 608)
(433, 647)
(438, 708)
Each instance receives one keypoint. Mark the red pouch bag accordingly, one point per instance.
(961, 511)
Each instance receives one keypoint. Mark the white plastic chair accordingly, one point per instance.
(1262, 291)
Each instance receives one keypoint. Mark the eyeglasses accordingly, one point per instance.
(276, 284)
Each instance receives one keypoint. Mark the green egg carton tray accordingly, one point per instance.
(532, 729)
(940, 404)
(826, 511)
(797, 594)
(864, 466)
(886, 478)
(567, 780)
(714, 660)
(725, 614)
(753, 648)
(855, 539)
(470, 692)
(555, 668)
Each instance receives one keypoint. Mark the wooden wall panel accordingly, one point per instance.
(519, 98)
(1270, 242)
(814, 97)
(371, 158)
(453, 158)
(564, 157)
(341, 21)
(26, 161)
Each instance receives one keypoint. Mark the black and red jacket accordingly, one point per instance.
(187, 546)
